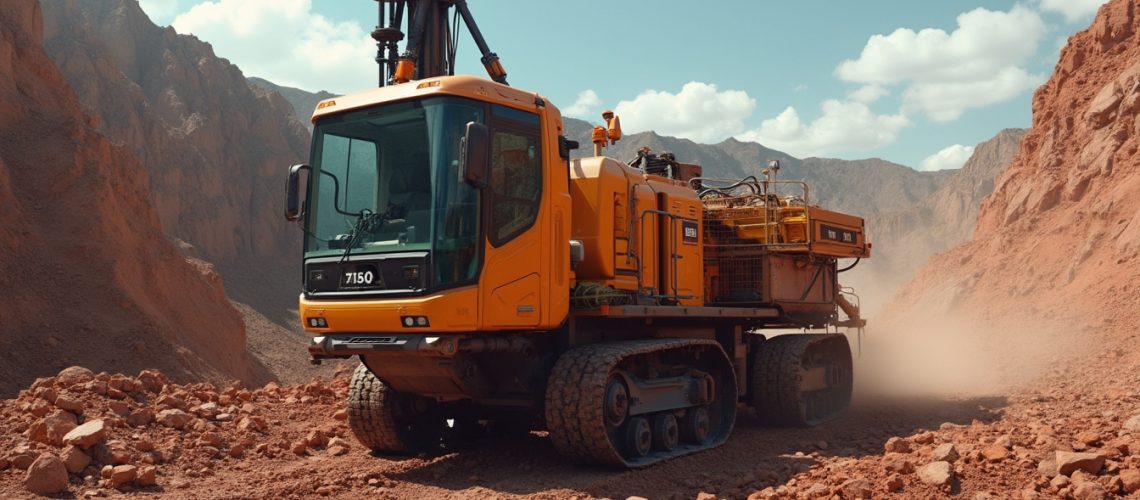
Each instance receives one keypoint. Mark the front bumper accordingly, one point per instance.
(444, 367)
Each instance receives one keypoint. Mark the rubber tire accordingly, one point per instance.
(775, 391)
(372, 416)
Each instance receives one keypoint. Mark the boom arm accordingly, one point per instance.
(432, 40)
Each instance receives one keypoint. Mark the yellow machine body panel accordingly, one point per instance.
(451, 311)
(620, 246)
(682, 255)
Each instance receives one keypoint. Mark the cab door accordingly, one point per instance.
(511, 284)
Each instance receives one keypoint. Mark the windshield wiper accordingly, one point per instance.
(366, 222)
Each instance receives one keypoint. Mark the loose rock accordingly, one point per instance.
(1068, 462)
(937, 474)
(74, 375)
(74, 459)
(995, 453)
(87, 434)
(123, 474)
(945, 453)
(897, 445)
(47, 475)
(856, 488)
(1133, 423)
(174, 418)
(1131, 480)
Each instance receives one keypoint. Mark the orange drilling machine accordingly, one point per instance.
(488, 280)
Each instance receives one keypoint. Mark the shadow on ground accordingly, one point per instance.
(755, 457)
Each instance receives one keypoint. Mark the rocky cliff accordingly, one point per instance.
(303, 101)
(1059, 239)
(90, 278)
(216, 149)
(905, 239)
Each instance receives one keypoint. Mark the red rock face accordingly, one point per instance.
(89, 277)
(216, 150)
(1060, 237)
(905, 239)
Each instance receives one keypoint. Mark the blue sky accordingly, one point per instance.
(918, 83)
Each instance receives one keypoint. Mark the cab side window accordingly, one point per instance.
(516, 173)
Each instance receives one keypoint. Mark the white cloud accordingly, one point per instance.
(946, 101)
(1073, 10)
(586, 106)
(699, 112)
(950, 158)
(978, 64)
(159, 11)
(844, 126)
(285, 42)
(868, 93)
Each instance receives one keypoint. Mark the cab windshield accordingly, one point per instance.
(386, 180)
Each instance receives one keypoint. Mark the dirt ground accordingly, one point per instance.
(260, 443)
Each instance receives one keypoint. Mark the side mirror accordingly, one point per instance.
(293, 210)
(475, 164)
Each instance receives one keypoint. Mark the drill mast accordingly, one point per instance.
(432, 40)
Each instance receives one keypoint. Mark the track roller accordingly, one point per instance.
(666, 434)
(801, 380)
(635, 403)
(387, 421)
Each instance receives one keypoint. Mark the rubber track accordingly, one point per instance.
(775, 379)
(370, 413)
(575, 398)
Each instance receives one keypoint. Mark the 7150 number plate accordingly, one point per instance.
(361, 277)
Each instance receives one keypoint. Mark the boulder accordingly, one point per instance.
(147, 476)
(74, 459)
(46, 476)
(898, 463)
(897, 445)
(69, 403)
(945, 453)
(1090, 490)
(937, 474)
(140, 418)
(174, 418)
(74, 375)
(1069, 462)
(1133, 423)
(86, 435)
(123, 474)
(995, 453)
(1131, 480)
(856, 488)
(57, 425)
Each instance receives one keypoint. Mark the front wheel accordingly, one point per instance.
(390, 422)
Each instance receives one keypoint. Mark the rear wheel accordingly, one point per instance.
(387, 421)
(801, 380)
